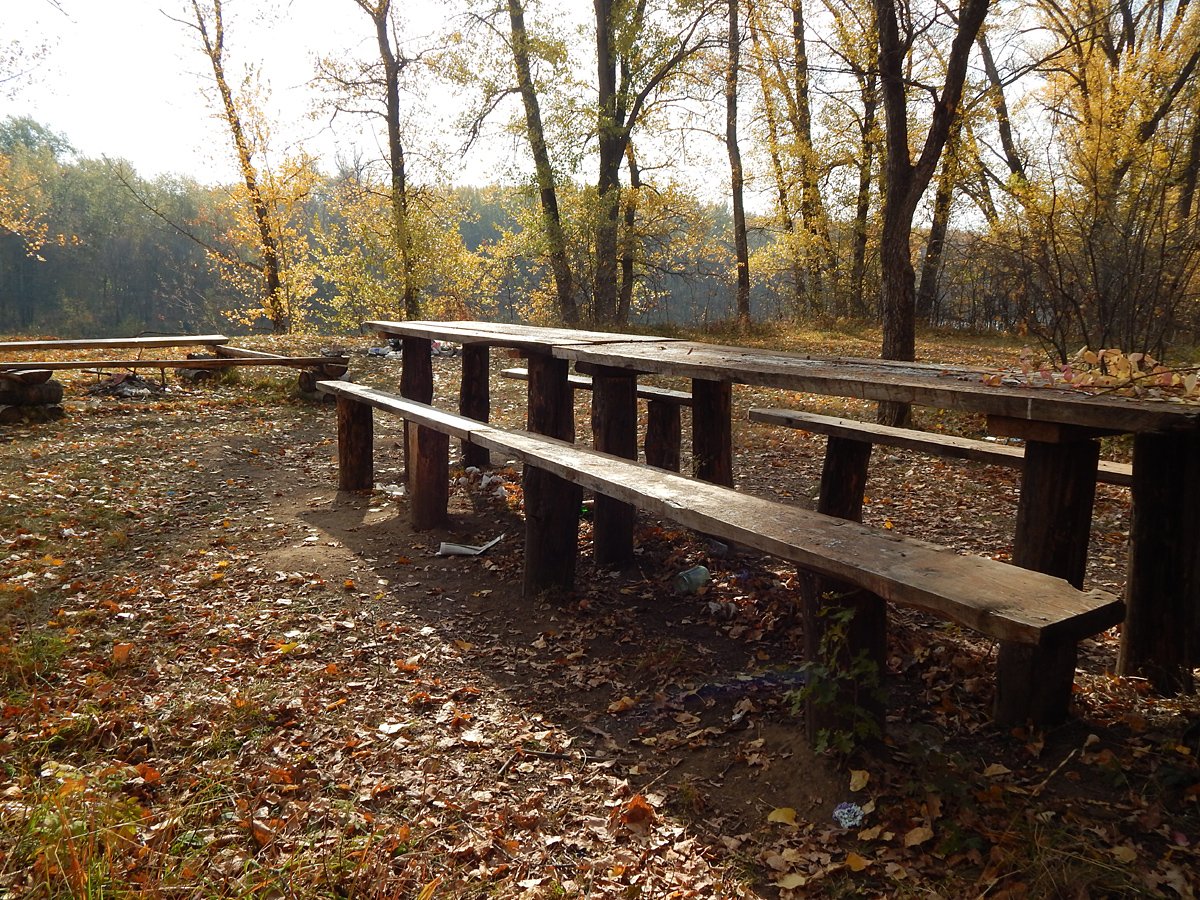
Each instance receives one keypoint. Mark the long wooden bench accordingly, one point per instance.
(663, 430)
(1042, 616)
(945, 445)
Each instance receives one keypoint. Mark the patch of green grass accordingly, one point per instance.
(28, 657)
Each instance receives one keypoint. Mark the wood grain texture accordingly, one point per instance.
(169, 340)
(584, 383)
(614, 430)
(499, 334)
(942, 387)
(474, 397)
(991, 597)
(294, 362)
(945, 445)
(355, 430)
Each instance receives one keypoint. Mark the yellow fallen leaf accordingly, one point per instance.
(121, 653)
(870, 834)
(464, 645)
(792, 881)
(918, 835)
(784, 814)
(859, 779)
(995, 770)
(856, 863)
(427, 892)
(1124, 854)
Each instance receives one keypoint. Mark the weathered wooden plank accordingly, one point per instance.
(522, 337)
(584, 383)
(993, 598)
(175, 340)
(663, 435)
(429, 486)
(294, 362)
(947, 445)
(943, 387)
(454, 425)
(19, 393)
(26, 376)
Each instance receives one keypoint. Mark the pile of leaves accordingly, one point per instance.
(218, 676)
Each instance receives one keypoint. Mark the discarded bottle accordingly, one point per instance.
(690, 580)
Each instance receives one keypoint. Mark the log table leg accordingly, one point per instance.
(474, 399)
(662, 435)
(614, 430)
(356, 467)
(1054, 517)
(712, 431)
(843, 626)
(429, 455)
(551, 503)
(416, 381)
(1161, 636)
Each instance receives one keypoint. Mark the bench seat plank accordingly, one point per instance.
(176, 340)
(946, 445)
(996, 599)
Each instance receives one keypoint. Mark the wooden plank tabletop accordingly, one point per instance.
(177, 340)
(295, 362)
(924, 384)
(522, 337)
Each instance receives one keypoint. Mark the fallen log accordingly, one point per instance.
(14, 393)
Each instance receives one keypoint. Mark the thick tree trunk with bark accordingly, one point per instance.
(740, 243)
(564, 288)
(906, 180)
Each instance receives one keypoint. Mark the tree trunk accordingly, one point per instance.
(740, 243)
(906, 180)
(380, 13)
(629, 237)
(568, 312)
(611, 140)
(927, 294)
(862, 208)
(274, 299)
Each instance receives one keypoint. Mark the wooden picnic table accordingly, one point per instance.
(1060, 427)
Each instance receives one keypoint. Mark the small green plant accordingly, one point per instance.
(848, 687)
(28, 657)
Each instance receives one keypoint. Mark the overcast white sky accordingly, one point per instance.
(121, 79)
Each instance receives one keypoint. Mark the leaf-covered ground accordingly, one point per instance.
(219, 677)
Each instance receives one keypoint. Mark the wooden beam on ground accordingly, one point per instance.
(294, 362)
(177, 340)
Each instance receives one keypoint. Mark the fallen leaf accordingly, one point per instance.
(859, 779)
(792, 881)
(1124, 854)
(856, 863)
(995, 770)
(120, 653)
(918, 836)
(784, 814)
(623, 705)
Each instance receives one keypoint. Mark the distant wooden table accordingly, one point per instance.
(1060, 427)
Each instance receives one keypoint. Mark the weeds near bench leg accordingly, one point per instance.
(840, 687)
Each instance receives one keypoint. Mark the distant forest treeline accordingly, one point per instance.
(119, 254)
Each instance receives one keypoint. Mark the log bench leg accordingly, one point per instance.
(356, 467)
(1054, 516)
(474, 400)
(429, 482)
(416, 381)
(712, 434)
(1161, 636)
(551, 503)
(844, 629)
(614, 430)
(663, 435)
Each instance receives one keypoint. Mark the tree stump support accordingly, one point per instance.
(429, 484)
(712, 431)
(416, 382)
(833, 646)
(614, 430)
(663, 434)
(1161, 636)
(1054, 517)
(356, 467)
(551, 503)
(474, 398)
